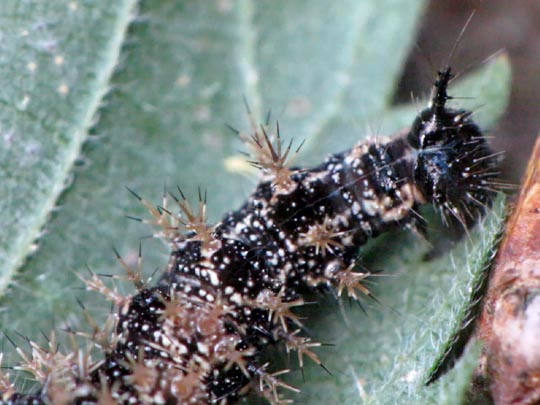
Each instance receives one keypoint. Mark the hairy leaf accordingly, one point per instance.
(327, 71)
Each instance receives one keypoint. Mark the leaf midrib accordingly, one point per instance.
(105, 67)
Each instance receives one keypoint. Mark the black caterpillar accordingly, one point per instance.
(231, 289)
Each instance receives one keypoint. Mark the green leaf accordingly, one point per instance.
(184, 68)
(55, 63)
(388, 356)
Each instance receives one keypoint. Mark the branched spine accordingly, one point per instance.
(231, 289)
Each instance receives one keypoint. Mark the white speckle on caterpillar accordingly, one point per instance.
(231, 289)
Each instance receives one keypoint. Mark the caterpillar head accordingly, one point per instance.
(454, 166)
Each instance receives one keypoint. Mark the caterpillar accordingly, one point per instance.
(231, 289)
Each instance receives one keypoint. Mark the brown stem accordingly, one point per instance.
(510, 321)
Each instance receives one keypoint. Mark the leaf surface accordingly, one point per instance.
(185, 66)
(56, 59)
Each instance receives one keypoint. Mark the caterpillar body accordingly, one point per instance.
(230, 289)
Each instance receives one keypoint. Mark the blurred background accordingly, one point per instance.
(497, 25)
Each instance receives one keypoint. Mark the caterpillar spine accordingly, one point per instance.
(231, 289)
